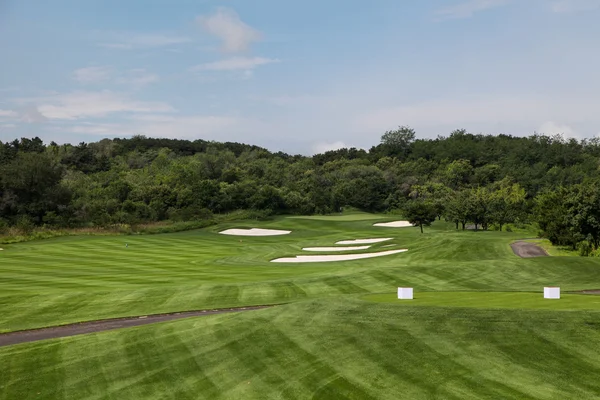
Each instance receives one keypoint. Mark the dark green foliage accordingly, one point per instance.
(484, 180)
(419, 212)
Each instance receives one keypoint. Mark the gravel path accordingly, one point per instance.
(528, 250)
(54, 332)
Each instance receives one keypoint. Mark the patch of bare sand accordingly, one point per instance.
(254, 232)
(363, 241)
(395, 224)
(335, 257)
(336, 248)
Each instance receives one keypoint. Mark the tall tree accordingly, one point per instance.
(397, 142)
(420, 212)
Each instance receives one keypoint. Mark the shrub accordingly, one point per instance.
(585, 248)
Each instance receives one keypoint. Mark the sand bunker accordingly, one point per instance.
(254, 232)
(395, 224)
(335, 248)
(363, 241)
(333, 257)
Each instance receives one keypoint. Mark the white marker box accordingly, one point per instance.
(552, 292)
(405, 293)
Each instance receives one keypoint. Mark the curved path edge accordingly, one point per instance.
(527, 249)
(81, 328)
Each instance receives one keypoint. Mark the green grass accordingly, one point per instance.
(323, 349)
(346, 216)
(331, 341)
(519, 300)
(555, 251)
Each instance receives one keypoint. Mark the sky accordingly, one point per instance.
(301, 77)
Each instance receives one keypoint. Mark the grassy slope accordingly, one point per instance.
(321, 349)
(556, 251)
(73, 279)
(513, 300)
(330, 345)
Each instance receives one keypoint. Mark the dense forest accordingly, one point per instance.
(473, 180)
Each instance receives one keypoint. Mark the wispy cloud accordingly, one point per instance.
(567, 6)
(191, 126)
(7, 114)
(552, 128)
(78, 105)
(92, 74)
(468, 8)
(138, 78)
(234, 64)
(227, 26)
(31, 114)
(484, 113)
(126, 41)
(323, 147)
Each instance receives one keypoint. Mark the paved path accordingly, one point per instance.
(528, 250)
(54, 332)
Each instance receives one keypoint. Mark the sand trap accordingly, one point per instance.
(335, 248)
(395, 224)
(254, 232)
(333, 257)
(363, 241)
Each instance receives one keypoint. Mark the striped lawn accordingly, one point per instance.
(321, 349)
(330, 342)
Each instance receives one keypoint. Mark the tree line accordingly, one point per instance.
(483, 181)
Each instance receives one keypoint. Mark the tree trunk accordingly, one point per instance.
(500, 227)
(476, 227)
(421, 225)
(456, 225)
(463, 226)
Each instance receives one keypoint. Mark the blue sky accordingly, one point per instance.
(301, 77)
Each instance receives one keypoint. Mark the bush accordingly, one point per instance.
(3, 225)
(25, 224)
(585, 248)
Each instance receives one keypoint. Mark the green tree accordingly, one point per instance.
(397, 142)
(506, 202)
(553, 212)
(459, 207)
(420, 212)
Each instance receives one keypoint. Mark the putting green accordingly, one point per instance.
(492, 300)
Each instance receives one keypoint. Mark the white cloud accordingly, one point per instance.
(485, 114)
(551, 128)
(7, 114)
(235, 63)
(92, 129)
(134, 77)
(323, 147)
(139, 77)
(125, 41)
(469, 8)
(566, 6)
(8, 126)
(31, 114)
(183, 126)
(92, 74)
(77, 105)
(226, 25)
